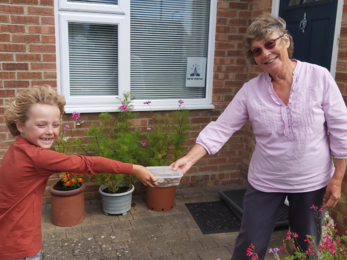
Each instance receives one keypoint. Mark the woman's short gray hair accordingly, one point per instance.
(261, 29)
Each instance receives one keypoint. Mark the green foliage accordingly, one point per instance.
(115, 138)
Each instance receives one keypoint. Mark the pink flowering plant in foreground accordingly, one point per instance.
(332, 245)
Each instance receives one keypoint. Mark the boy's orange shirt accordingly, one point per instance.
(24, 173)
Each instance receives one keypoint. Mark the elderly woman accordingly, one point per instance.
(292, 107)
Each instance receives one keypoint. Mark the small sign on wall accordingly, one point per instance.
(196, 72)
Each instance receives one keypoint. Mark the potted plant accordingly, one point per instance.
(167, 134)
(67, 195)
(114, 139)
(67, 200)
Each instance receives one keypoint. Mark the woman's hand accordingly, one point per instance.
(144, 176)
(183, 163)
(332, 194)
(333, 191)
(187, 161)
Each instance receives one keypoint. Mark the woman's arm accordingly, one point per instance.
(333, 191)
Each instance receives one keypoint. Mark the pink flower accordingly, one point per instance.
(76, 115)
(66, 127)
(312, 207)
(124, 107)
(320, 210)
(180, 101)
(140, 128)
(147, 102)
(296, 235)
(144, 143)
(149, 128)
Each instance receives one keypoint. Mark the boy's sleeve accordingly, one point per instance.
(48, 162)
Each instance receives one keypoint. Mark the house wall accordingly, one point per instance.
(27, 55)
(28, 58)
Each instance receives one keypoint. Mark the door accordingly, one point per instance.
(312, 25)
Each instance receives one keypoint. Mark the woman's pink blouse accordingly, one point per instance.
(294, 142)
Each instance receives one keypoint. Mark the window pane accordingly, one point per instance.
(109, 2)
(301, 2)
(93, 57)
(164, 34)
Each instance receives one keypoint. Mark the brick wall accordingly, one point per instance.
(27, 54)
(339, 213)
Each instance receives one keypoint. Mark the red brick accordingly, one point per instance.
(225, 45)
(341, 77)
(218, 83)
(52, 83)
(4, 18)
(222, 21)
(5, 37)
(16, 84)
(47, 20)
(41, 10)
(10, 47)
(42, 66)
(41, 48)
(47, 2)
(6, 56)
(219, 53)
(26, 38)
(28, 57)
(41, 29)
(7, 93)
(226, 13)
(222, 90)
(200, 120)
(48, 38)
(235, 37)
(15, 66)
(12, 9)
(7, 75)
(247, 14)
(24, 19)
(29, 75)
(237, 21)
(5, 1)
(49, 57)
(238, 6)
(221, 37)
(25, 2)
(12, 28)
(50, 75)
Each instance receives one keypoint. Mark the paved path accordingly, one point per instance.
(142, 233)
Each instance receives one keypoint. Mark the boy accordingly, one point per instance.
(34, 116)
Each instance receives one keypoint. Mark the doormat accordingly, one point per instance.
(234, 199)
(214, 217)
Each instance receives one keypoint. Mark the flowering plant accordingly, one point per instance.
(70, 180)
(332, 245)
(116, 138)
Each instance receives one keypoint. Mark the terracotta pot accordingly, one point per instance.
(161, 198)
(67, 206)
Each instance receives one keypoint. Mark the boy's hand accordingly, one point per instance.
(144, 176)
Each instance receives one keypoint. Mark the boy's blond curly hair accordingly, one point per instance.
(18, 108)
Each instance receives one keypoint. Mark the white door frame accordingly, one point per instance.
(276, 9)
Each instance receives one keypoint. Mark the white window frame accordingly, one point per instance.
(67, 12)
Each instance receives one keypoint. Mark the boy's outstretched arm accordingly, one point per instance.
(144, 175)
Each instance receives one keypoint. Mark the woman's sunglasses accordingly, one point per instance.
(268, 45)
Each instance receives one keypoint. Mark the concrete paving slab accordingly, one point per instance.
(142, 233)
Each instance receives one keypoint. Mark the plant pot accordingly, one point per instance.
(160, 198)
(119, 203)
(67, 206)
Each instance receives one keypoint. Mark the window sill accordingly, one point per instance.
(102, 108)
